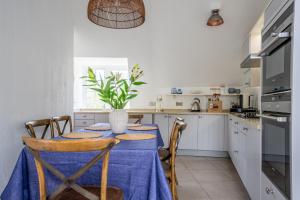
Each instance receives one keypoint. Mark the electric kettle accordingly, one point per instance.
(196, 105)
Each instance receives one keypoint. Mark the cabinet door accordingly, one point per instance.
(242, 157)
(162, 120)
(189, 136)
(211, 133)
(253, 158)
(230, 136)
(235, 143)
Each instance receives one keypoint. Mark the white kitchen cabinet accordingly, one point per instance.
(268, 190)
(188, 140)
(162, 120)
(245, 152)
(211, 133)
(253, 162)
(101, 118)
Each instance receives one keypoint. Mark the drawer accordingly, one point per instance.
(84, 116)
(101, 118)
(84, 123)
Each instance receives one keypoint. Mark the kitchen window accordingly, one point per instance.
(84, 98)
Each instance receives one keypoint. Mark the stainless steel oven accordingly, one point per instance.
(276, 111)
(276, 53)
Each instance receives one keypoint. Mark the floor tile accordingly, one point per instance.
(184, 175)
(225, 190)
(191, 190)
(213, 175)
(208, 178)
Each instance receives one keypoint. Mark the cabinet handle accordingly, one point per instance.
(236, 132)
(236, 151)
(236, 123)
(166, 116)
(230, 119)
(269, 191)
(245, 129)
(200, 117)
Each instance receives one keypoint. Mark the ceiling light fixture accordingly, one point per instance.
(117, 14)
(215, 18)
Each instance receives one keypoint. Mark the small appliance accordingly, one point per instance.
(196, 105)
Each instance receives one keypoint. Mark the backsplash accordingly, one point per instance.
(184, 102)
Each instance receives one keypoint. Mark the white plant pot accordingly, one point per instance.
(118, 120)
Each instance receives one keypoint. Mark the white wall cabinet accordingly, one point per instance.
(245, 152)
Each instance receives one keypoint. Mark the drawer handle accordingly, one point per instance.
(84, 116)
(84, 122)
(269, 191)
(236, 123)
(236, 151)
(236, 132)
(245, 129)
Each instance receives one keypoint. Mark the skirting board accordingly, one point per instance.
(202, 153)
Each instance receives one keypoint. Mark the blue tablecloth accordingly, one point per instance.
(134, 167)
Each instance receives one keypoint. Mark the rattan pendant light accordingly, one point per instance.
(117, 14)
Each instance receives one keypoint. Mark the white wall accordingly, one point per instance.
(175, 46)
(296, 107)
(36, 69)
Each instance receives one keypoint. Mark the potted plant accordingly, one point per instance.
(117, 92)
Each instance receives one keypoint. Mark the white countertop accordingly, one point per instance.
(250, 122)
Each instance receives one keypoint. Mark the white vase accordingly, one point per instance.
(118, 120)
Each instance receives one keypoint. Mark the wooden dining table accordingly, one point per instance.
(134, 166)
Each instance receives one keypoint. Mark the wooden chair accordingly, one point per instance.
(69, 190)
(169, 161)
(137, 117)
(30, 126)
(66, 119)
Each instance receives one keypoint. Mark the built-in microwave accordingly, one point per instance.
(276, 54)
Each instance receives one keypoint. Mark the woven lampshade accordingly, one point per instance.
(117, 14)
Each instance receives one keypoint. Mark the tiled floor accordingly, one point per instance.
(206, 178)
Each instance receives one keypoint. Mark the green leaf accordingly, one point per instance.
(138, 83)
(131, 96)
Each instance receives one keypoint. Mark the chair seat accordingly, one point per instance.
(163, 153)
(113, 193)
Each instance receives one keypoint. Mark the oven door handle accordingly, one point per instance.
(277, 37)
(278, 119)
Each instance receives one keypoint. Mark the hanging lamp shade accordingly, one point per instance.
(215, 18)
(117, 14)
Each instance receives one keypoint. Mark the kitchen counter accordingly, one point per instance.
(250, 122)
(153, 111)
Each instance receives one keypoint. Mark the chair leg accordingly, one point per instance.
(173, 186)
(176, 180)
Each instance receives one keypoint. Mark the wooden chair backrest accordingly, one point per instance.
(82, 145)
(138, 118)
(175, 135)
(173, 129)
(30, 126)
(66, 119)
